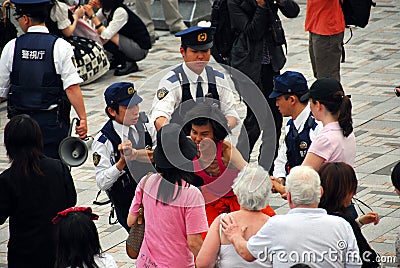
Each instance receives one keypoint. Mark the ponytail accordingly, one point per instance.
(344, 119)
(340, 105)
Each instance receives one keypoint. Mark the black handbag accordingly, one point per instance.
(278, 34)
(7, 29)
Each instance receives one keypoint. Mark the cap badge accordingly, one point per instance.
(131, 91)
(202, 37)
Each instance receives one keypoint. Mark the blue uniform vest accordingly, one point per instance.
(297, 144)
(123, 190)
(187, 99)
(35, 85)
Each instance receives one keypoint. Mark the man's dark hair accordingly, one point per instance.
(298, 95)
(203, 114)
(36, 12)
(115, 107)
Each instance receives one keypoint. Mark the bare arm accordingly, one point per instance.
(74, 95)
(313, 161)
(79, 12)
(160, 122)
(233, 156)
(209, 250)
(232, 121)
(131, 219)
(194, 242)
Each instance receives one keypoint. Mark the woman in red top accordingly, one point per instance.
(218, 162)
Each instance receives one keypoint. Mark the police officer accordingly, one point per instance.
(301, 129)
(192, 81)
(127, 128)
(38, 76)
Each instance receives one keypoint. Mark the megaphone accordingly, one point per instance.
(73, 151)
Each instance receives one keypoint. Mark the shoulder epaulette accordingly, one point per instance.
(102, 139)
(173, 78)
(219, 74)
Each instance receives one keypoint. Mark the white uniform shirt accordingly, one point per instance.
(304, 233)
(166, 106)
(63, 61)
(106, 171)
(299, 122)
(120, 18)
(59, 14)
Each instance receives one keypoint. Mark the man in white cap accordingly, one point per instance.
(191, 81)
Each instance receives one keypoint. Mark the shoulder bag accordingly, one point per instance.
(136, 233)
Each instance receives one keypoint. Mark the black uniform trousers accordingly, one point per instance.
(54, 130)
(251, 131)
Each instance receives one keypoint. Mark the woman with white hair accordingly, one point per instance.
(252, 188)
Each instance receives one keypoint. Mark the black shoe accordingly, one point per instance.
(115, 63)
(129, 67)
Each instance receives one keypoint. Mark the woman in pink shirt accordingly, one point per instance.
(173, 207)
(336, 141)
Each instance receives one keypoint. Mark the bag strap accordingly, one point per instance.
(140, 218)
(6, 12)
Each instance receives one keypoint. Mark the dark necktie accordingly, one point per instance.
(131, 137)
(199, 91)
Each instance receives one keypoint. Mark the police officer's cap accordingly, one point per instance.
(31, 7)
(122, 93)
(289, 83)
(197, 37)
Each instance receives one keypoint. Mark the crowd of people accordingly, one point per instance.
(205, 204)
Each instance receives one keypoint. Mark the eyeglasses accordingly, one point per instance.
(17, 16)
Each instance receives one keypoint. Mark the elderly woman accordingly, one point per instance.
(173, 207)
(32, 191)
(252, 188)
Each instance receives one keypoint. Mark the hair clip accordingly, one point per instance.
(64, 213)
(348, 96)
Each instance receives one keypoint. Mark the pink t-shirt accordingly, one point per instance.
(167, 226)
(331, 145)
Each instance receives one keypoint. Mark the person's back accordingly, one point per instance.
(309, 235)
(171, 204)
(175, 220)
(33, 197)
(228, 257)
(306, 234)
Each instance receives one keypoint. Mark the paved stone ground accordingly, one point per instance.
(371, 71)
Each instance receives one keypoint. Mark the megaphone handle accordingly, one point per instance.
(72, 124)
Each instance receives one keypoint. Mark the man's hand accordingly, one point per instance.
(278, 187)
(207, 152)
(126, 150)
(231, 229)
(81, 130)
